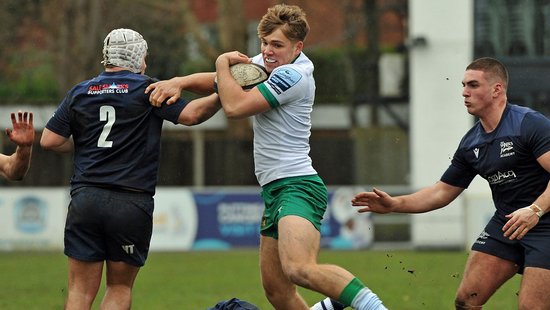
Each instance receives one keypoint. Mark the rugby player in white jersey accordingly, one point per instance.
(295, 196)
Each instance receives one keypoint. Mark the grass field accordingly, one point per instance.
(198, 280)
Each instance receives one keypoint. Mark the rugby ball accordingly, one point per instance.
(247, 75)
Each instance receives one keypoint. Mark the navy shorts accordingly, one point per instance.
(533, 250)
(106, 224)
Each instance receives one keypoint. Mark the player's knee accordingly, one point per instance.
(275, 292)
(298, 274)
(272, 287)
(269, 287)
(271, 294)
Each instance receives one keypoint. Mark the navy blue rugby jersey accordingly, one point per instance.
(506, 158)
(116, 131)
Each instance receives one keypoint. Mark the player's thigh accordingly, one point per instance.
(84, 276)
(121, 273)
(273, 278)
(269, 255)
(299, 241)
(483, 275)
(533, 293)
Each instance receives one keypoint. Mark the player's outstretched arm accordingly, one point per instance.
(170, 90)
(427, 199)
(199, 110)
(15, 167)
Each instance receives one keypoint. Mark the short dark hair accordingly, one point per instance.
(495, 69)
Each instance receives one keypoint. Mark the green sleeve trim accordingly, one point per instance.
(268, 96)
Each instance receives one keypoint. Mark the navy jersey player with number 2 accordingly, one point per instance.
(509, 147)
(115, 135)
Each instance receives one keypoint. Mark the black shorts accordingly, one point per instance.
(533, 250)
(104, 224)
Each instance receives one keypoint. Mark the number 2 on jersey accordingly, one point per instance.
(106, 114)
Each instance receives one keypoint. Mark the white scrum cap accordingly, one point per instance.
(124, 48)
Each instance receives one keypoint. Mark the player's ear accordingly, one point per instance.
(298, 47)
(498, 89)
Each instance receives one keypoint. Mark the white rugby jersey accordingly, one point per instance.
(281, 135)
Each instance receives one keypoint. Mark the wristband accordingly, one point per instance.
(538, 211)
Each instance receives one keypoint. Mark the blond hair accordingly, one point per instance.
(291, 19)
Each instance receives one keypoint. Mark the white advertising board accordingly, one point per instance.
(32, 219)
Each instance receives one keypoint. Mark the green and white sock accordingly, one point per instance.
(367, 300)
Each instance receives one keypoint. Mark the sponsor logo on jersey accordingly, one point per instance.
(113, 88)
(506, 149)
(501, 177)
(476, 152)
(284, 79)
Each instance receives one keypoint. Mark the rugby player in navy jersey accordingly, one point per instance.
(15, 166)
(509, 147)
(115, 135)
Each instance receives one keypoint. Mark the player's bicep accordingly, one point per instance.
(445, 193)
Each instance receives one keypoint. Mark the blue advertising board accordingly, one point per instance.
(229, 219)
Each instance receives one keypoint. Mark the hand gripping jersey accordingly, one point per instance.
(506, 158)
(281, 135)
(116, 131)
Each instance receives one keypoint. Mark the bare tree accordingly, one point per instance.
(194, 28)
(232, 25)
(74, 27)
